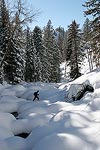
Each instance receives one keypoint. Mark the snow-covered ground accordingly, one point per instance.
(84, 69)
(52, 123)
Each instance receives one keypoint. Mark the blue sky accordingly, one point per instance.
(61, 12)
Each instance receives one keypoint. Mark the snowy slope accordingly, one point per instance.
(52, 123)
(84, 69)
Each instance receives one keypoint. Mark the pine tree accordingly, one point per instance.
(55, 74)
(41, 59)
(87, 30)
(65, 48)
(13, 67)
(93, 9)
(4, 35)
(52, 50)
(73, 50)
(30, 58)
(87, 42)
(14, 60)
(12, 43)
(37, 38)
(48, 39)
(60, 38)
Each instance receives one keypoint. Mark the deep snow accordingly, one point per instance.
(52, 123)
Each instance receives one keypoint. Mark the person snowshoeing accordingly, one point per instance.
(36, 95)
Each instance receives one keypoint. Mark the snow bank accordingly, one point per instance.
(52, 123)
(13, 143)
(61, 141)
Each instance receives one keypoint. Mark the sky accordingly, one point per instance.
(60, 12)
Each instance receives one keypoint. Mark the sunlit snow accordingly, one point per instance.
(51, 123)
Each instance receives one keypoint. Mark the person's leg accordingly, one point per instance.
(38, 98)
(34, 98)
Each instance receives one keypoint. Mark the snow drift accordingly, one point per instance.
(50, 123)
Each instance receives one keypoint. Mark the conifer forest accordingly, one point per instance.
(35, 55)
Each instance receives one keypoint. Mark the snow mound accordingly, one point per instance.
(51, 123)
(61, 141)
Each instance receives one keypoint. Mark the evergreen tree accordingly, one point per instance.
(55, 74)
(73, 53)
(86, 41)
(37, 38)
(51, 51)
(4, 35)
(48, 39)
(93, 9)
(41, 59)
(31, 58)
(60, 38)
(65, 47)
(12, 43)
(13, 67)
(29, 53)
(87, 30)
(14, 60)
